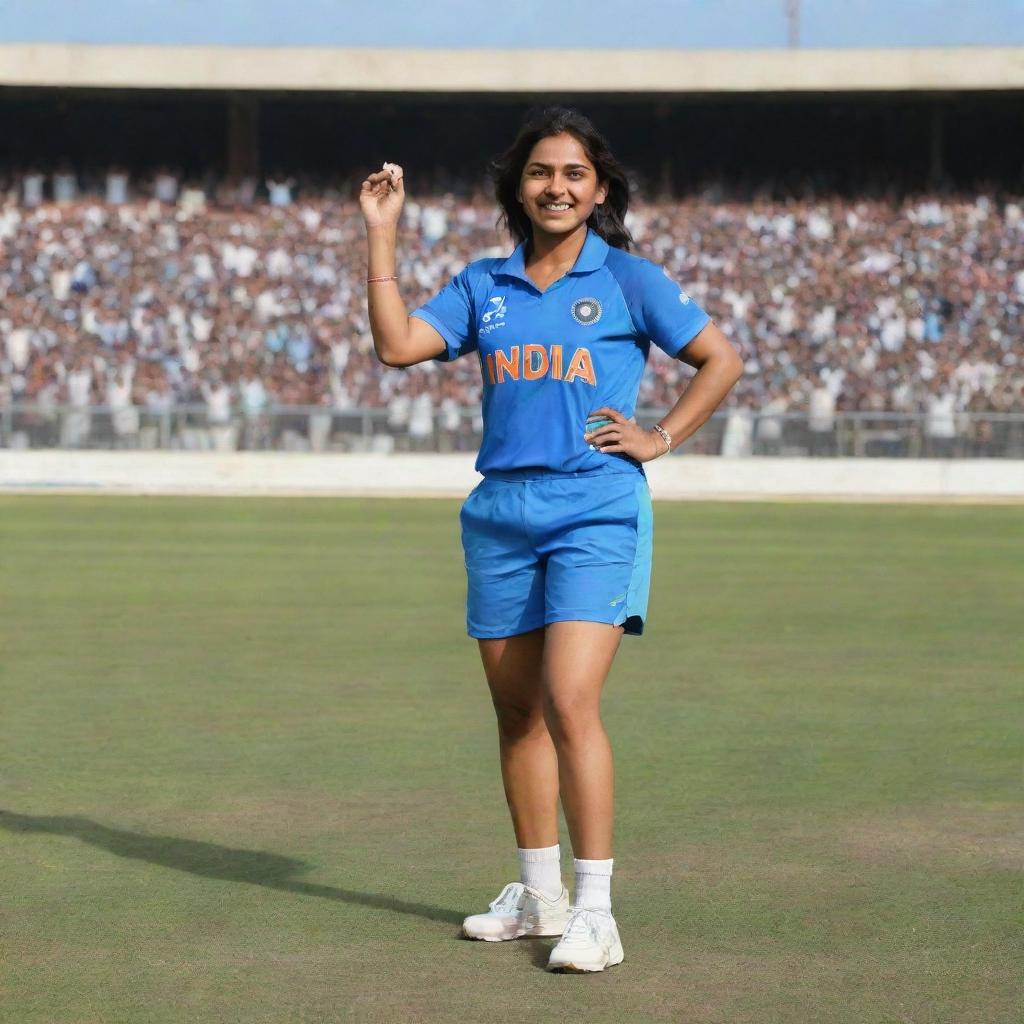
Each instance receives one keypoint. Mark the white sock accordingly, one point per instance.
(593, 884)
(541, 868)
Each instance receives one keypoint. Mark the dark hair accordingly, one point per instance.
(607, 219)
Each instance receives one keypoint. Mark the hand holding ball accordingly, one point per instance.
(381, 196)
(394, 174)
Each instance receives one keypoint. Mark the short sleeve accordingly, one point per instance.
(450, 313)
(661, 309)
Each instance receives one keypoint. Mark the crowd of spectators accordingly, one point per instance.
(149, 295)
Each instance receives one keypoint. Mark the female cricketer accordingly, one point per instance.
(557, 535)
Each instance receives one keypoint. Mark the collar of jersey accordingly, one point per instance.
(591, 258)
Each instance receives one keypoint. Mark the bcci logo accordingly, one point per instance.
(586, 311)
(495, 315)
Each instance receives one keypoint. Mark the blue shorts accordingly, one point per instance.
(544, 546)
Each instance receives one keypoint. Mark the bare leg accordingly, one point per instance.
(529, 766)
(576, 660)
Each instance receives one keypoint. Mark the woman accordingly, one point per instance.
(557, 535)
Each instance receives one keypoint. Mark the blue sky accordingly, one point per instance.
(520, 24)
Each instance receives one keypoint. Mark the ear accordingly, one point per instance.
(602, 193)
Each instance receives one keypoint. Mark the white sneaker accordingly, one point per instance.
(520, 910)
(590, 942)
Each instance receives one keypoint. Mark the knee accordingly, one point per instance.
(568, 716)
(517, 720)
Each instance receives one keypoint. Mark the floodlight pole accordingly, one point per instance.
(793, 17)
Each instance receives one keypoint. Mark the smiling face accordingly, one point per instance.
(558, 188)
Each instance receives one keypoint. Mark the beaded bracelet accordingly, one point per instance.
(370, 280)
(665, 436)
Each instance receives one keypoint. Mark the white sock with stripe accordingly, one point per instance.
(593, 884)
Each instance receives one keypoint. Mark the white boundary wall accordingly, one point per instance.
(362, 69)
(453, 476)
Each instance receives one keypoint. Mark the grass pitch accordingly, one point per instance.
(249, 769)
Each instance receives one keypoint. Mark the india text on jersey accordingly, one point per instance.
(540, 361)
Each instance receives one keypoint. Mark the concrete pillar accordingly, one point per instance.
(243, 136)
(936, 148)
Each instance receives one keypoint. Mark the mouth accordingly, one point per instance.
(556, 207)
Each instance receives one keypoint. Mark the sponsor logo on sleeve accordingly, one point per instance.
(683, 297)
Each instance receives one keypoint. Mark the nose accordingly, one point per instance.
(555, 188)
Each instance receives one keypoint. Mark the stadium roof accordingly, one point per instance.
(531, 46)
(525, 24)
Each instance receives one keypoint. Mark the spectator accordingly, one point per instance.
(940, 422)
(65, 185)
(421, 420)
(78, 395)
(217, 394)
(279, 189)
(32, 189)
(117, 187)
(770, 424)
(449, 418)
(821, 418)
(255, 402)
(124, 417)
(165, 186)
(737, 438)
(320, 420)
(399, 413)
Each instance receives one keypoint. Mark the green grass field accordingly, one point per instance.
(249, 769)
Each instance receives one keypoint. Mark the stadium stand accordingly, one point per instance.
(146, 295)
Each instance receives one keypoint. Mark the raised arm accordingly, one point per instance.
(398, 339)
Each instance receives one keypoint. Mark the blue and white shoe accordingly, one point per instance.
(590, 942)
(519, 911)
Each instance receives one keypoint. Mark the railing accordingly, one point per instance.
(324, 429)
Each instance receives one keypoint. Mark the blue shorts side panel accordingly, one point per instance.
(634, 613)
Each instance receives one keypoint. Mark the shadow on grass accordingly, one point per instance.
(254, 867)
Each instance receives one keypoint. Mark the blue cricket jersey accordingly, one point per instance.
(550, 358)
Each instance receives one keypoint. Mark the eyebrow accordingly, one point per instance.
(568, 167)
